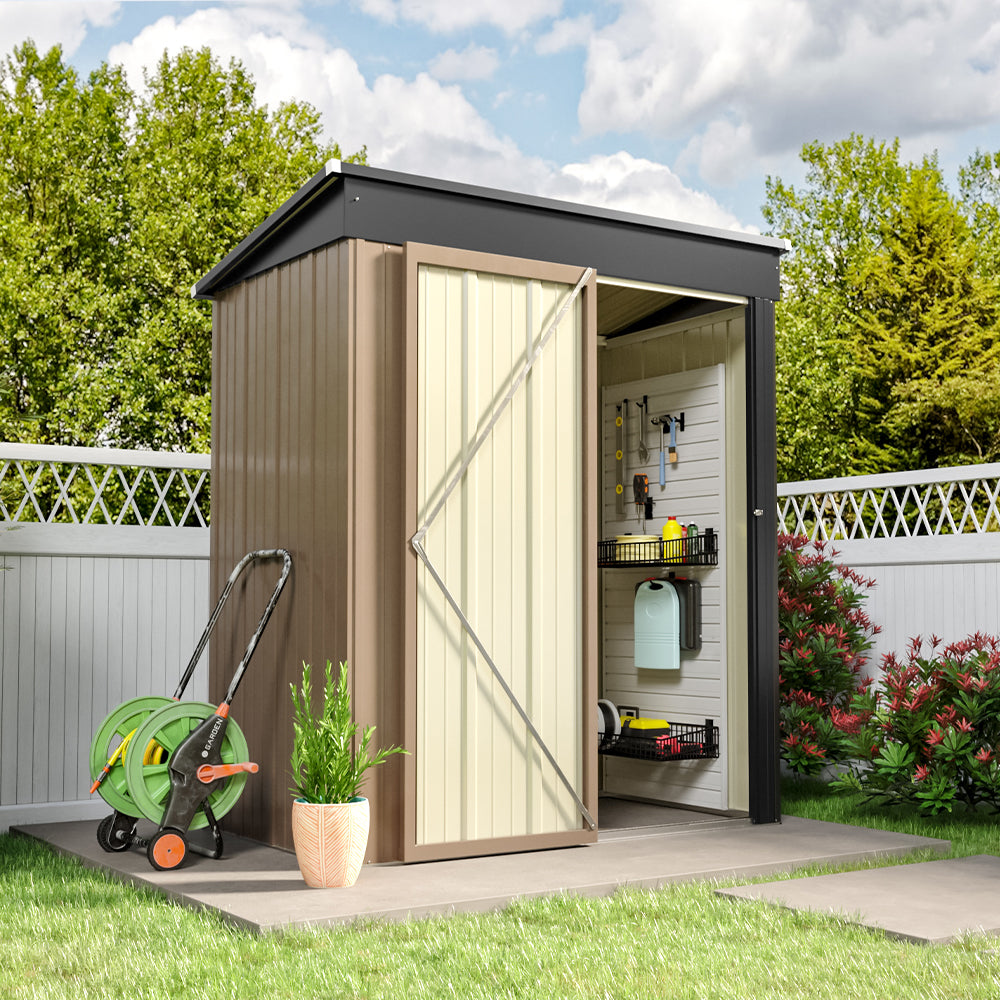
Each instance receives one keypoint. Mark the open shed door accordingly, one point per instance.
(501, 680)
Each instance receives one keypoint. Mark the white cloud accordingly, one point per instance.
(445, 16)
(48, 24)
(474, 62)
(721, 153)
(567, 33)
(418, 126)
(632, 184)
(760, 79)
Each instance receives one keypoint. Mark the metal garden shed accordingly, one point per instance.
(441, 399)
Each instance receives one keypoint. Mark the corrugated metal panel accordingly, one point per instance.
(80, 636)
(378, 549)
(281, 476)
(508, 544)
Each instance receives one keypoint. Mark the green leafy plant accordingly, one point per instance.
(326, 768)
(823, 638)
(930, 735)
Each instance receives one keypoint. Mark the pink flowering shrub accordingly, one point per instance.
(823, 638)
(931, 735)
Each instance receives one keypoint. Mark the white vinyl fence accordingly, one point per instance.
(103, 595)
(104, 588)
(930, 539)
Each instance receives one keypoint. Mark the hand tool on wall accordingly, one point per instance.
(643, 450)
(619, 463)
(676, 424)
(624, 441)
(663, 471)
(640, 492)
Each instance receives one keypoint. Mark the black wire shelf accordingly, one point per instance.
(696, 550)
(681, 742)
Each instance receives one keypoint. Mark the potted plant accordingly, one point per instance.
(329, 817)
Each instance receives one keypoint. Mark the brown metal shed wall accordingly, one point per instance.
(280, 477)
(378, 540)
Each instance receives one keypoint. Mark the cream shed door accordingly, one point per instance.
(499, 489)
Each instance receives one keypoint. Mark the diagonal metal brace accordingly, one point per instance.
(416, 543)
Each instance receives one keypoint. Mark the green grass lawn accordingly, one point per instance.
(66, 931)
(969, 832)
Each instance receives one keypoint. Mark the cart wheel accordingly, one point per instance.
(149, 784)
(167, 849)
(111, 733)
(114, 832)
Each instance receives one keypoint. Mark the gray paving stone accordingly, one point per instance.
(260, 887)
(932, 902)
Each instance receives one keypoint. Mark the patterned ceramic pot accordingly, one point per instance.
(330, 841)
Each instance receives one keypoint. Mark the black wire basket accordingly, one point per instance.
(695, 550)
(681, 742)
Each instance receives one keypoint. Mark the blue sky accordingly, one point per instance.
(674, 108)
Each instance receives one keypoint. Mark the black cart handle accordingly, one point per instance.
(249, 558)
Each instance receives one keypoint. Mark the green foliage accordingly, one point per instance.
(887, 332)
(929, 316)
(833, 225)
(325, 766)
(64, 220)
(112, 205)
(823, 636)
(979, 186)
(931, 735)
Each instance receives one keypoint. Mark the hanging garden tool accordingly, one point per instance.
(673, 437)
(620, 458)
(676, 424)
(640, 493)
(643, 450)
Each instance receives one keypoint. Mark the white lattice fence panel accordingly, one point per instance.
(955, 501)
(54, 485)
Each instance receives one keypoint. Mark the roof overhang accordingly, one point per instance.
(346, 200)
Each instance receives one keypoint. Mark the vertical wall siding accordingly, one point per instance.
(378, 548)
(507, 543)
(280, 478)
(683, 347)
(80, 635)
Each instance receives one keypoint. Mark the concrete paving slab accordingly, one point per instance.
(931, 902)
(260, 888)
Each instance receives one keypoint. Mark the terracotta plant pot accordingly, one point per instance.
(330, 841)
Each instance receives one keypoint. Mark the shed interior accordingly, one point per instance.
(667, 351)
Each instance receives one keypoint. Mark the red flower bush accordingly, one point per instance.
(931, 735)
(823, 638)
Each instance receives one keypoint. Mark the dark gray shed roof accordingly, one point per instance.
(346, 200)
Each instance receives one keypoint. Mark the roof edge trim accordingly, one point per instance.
(205, 288)
(556, 205)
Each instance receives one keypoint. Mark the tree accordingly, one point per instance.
(888, 319)
(63, 211)
(832, 225)
(112, 205)
(929, 317)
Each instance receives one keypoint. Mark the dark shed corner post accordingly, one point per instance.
(762, 599)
